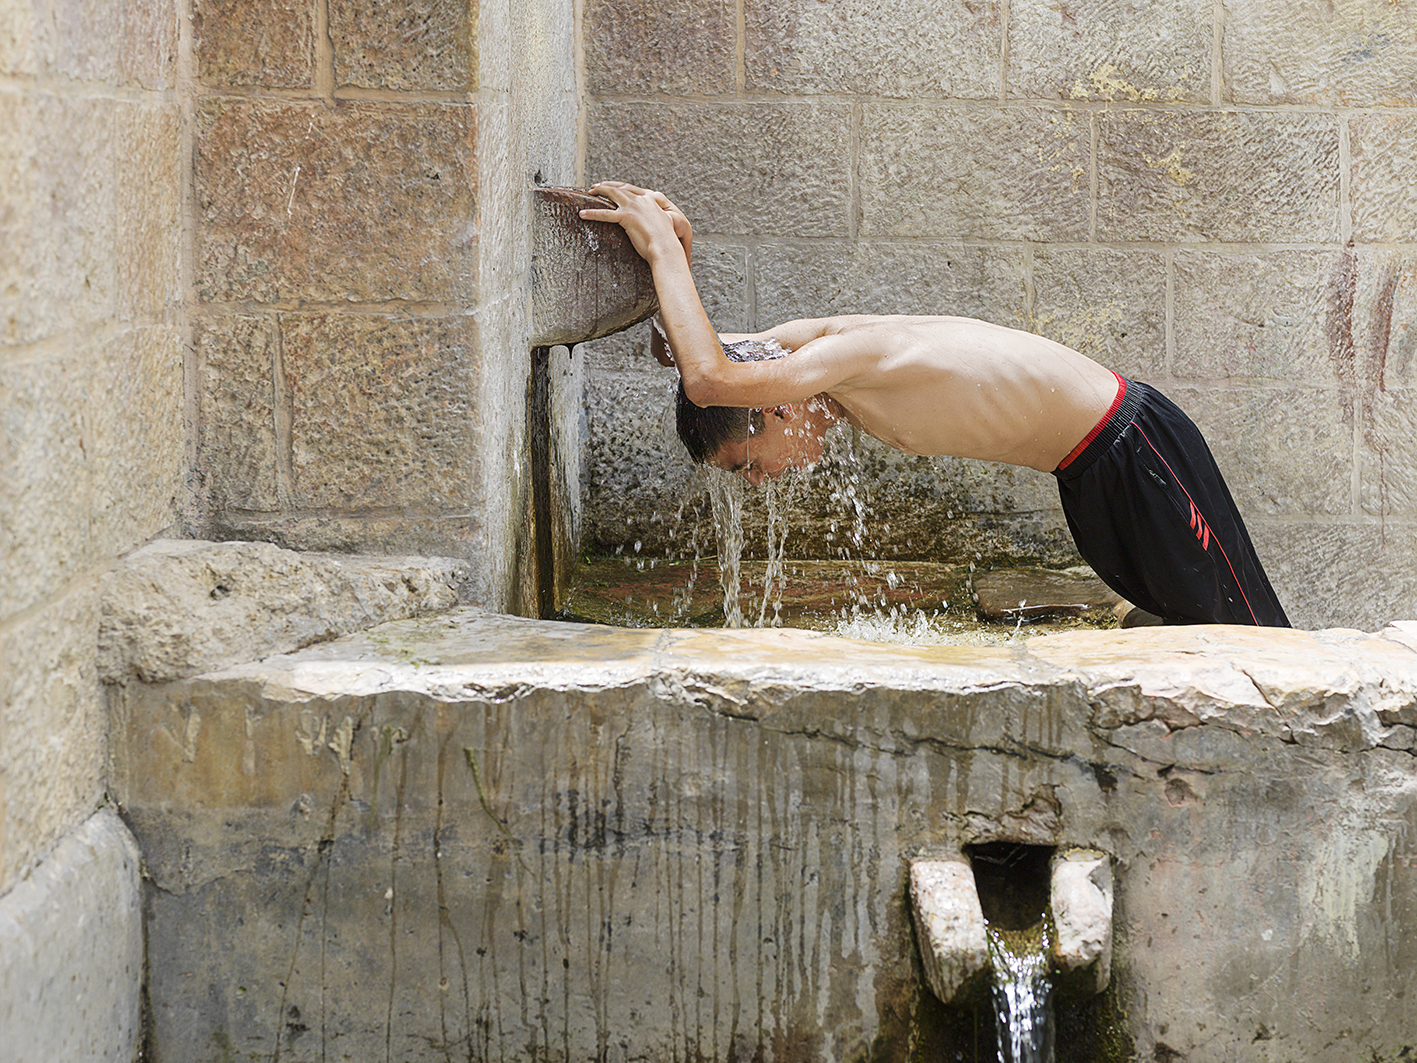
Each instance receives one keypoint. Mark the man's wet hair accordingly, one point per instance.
(705, 430)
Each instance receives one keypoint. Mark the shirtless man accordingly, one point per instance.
(1143, 497)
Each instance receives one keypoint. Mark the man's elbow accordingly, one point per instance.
(701, 389)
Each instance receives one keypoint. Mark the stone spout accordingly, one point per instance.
(950, 926)
(587, 280)
(1080, 896)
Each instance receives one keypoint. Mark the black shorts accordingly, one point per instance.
(1151, 514)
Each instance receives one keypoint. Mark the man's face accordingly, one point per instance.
(784, 440)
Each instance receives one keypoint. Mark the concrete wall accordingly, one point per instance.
(1212, 197)
(361, 178)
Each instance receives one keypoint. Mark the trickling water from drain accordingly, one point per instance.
(1023, 990)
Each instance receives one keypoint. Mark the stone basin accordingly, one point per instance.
(478, 836)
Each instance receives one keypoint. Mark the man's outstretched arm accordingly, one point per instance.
(654, 226)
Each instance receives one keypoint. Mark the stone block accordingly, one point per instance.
(178, 607)
(55, 727)
(1014, 173)
(71, 950)
(363, 202)
(678, 48)
(1387, 460)
(237, 442)
(45, 477)
(19, 27)
(84, 38)
(1110, 305)
(770, 169)
(267, 45)
(1383, 148)
(895, 48)
(406, 46)
(57, 154)
(1104, 51)
(1287, 451)
(1357, 53)
(149, 51)
(1254, 316)
(379, 410)
(1227, 175)
(148, 196)
(135, 438)
(921, 277)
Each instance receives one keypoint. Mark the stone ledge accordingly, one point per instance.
(179, 607)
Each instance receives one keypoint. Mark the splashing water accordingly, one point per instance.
(1023, 1013)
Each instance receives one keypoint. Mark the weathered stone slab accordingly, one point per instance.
(587, 279)
(1226, 175)
(897, 48)
(669, 47)
(1386, 461)
(431, 803)
(236, 433)
(1350, 572)
(268, 45)
(1104, 51)
(405, 46)
(949, 925)
(1017, 173)
(148, 209)
(1351, 54)
(361, 201)
(1033, 593)
(771, 169)
(181, 606)
(72, 940)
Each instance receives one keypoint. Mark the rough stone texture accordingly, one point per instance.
(1006, 173)
(379, 410)
(660, 46)
(1111, 305)
(587, 279)
(361, 201)
(1252, 316)
(898, 48)
(1386, 460)
(53, 724)
(148, 206)
(1110, 50)
(267, 45)
(1340, 572)
(793, 183)
(1384, 152)
(236, 431)
(642, 840)
(72, 937)
(1355, 53)
(1080, 900)
(1228, 175)
(949, 926)
(181, 606)
(406, 46)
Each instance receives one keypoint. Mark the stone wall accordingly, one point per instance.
(361, 178)
(1210, 197)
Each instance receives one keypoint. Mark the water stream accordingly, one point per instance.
(1022, 993)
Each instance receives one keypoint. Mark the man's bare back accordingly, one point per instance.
(945, 385)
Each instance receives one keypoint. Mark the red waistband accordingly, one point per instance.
(1116, 401)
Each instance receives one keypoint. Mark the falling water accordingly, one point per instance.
(1023, 1012)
